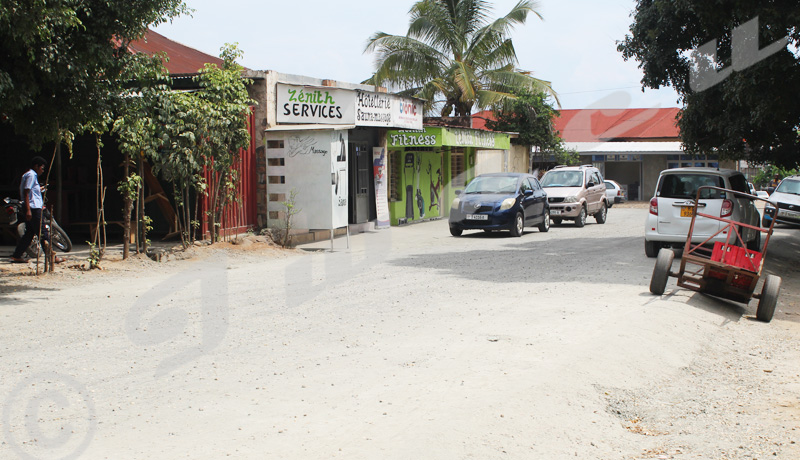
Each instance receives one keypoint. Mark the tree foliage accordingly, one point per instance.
(530, 115)
(61, 60)
(454, 56)
(752, 113)
(186, 134)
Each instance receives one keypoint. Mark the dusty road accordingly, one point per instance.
(411, 345)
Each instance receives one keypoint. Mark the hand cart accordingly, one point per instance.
(728, 270)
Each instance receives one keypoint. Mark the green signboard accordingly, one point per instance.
(455, 137)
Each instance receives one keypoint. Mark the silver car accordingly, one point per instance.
(784, 202)
(671, 208)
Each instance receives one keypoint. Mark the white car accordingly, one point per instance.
(614, 193)
(670, 213)
(785, 202)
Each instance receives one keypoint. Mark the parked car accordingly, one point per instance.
(670, 215)
(614, 192)
(500, 201)
(575, 192)
(785, 201)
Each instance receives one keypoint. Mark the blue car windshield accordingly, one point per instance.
(563, 179)
(492, 185)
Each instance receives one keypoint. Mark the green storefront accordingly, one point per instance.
(426, 168)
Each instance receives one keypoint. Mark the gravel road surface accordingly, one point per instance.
(412, 344)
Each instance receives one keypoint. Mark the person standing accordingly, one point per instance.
(32, 204)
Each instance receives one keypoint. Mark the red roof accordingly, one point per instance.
(182, 59)
(594, 125)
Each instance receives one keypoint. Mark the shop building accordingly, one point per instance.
(325, 141)
(427, 166)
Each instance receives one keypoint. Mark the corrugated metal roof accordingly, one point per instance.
(596, 125)
(182, 59)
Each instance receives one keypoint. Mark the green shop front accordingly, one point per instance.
(427, 166)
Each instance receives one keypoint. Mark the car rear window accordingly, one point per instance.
(685, 185)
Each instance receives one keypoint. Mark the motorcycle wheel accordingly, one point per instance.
(59, 238)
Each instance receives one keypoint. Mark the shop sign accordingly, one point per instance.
(414, 138)
(303, 104)
(435, 137)
(473, 138)
(387, 110)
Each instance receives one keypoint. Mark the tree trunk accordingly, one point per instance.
(126, 214)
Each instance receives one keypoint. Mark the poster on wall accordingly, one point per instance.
(338, 140)
(316, 166)
(381, 186)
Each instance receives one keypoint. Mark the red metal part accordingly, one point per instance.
(240, 215)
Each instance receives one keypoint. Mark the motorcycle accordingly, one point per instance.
(58, 236)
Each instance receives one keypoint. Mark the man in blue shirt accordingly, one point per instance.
(32, 204)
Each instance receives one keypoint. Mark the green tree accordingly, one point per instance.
(454, 57)
(532, 116)
(222, 128)
(750, 111)
(60, 60)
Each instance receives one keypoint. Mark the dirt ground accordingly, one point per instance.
(333, 355)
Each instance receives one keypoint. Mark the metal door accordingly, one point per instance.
(361, 168)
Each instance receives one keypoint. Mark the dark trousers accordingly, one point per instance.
(31, 230)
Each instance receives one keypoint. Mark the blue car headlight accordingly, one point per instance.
(508, 203)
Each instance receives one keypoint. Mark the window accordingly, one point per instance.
(525, 186)
(393, 172)
(686, 185)
(739, 183)
(457, 168)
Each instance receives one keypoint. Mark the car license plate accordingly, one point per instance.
(787, 213)
(477, 217)
(555, 212)
(687, 211)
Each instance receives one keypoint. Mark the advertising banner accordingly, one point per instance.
(316, 165)
(303, 104)
(381, 186)
(387, 110)
(436, 136)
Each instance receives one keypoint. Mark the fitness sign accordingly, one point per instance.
(336, 106)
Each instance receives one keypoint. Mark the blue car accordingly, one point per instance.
(500, 201)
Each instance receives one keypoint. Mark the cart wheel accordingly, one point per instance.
(769, 298)
(661, 271)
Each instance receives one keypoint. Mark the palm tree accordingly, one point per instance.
(454, 57)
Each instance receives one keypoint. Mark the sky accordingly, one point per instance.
(574, 46)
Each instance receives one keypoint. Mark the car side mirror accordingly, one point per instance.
(458, 192)
(528, 192)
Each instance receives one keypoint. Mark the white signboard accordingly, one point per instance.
(333, 106)
(302, 104)
(407, 113)
(374, 109)
(387, 111)
(316, 166)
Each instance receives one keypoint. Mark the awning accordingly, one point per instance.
(309, 127)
